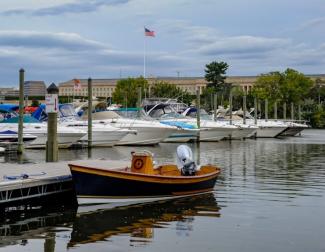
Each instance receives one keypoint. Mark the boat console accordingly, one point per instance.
(142, 162)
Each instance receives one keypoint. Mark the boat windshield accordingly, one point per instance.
(203, 114)
(132, 113)
(67, 110)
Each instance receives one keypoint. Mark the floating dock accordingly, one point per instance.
(25, 182)
(21, 182)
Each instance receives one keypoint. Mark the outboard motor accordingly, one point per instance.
(185, 160)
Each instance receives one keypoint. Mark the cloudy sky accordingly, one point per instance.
(57, 40)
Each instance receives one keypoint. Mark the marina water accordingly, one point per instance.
(270, 196)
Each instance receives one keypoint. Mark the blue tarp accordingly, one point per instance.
(8, 107)
(39, 114)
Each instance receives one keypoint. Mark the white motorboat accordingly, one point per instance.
(10, 136)
(209, 130)
(66, 136)
(294, 128)
(148, 132)
(267, 128)
(243, 130)
(103, 135)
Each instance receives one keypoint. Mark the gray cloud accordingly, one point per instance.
(247, 45)
(60, 56)
(81, 6)
(320, 21)
(33, 39)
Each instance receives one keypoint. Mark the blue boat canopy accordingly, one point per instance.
(7, 108)
(65, 110)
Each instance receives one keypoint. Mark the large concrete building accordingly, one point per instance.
(106, 87)
(9, 92)
(34, 88)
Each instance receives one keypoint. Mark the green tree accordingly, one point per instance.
(289, 86)
(164, 89)
(295, 86)
(267, 86)
(126, 91)
(215, 75)
(317, 92)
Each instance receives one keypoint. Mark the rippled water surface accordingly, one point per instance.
(270, 196)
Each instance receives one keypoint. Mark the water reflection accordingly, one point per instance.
(140, 221)
(265, 186)
(20, 224)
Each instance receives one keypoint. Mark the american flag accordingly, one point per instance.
(149, 33)
(77, 84)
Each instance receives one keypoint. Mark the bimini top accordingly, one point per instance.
(7, 108)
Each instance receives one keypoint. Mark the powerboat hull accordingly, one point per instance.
(105, 138)
(182, 136)
(12, 137)
(242, 132)
(147, 135)
(269, 131)
(215, 134)
(65, 140)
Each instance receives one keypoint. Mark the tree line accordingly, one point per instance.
(289, 86)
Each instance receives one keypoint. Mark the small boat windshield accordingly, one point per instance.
(203, 114)
(67, 110)
(133, 113)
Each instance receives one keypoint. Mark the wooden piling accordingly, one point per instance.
(52, 144)
(266, 109)
(20, 147)
(139, 100)
(230, 107)
(299, 112)
(198, 118)
(244, 109)
(255, 110)
(215, 106)
(90, 109)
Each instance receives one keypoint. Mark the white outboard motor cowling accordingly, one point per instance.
(185, 160)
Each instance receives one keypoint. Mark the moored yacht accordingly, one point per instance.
(294, 128)
(265, 128)
(65, 136)
(147, 132)
(209, 130)
(103, 135)
(9, 136)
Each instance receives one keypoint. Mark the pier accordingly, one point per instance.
(23, 182)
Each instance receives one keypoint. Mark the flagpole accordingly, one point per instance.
(144, 57)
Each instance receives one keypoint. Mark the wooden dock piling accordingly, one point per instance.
(20, 147)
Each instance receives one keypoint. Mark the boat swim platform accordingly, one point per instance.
(23, 182)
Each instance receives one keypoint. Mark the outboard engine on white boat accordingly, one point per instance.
(185, 160)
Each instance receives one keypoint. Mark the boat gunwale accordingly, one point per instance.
(155, 178)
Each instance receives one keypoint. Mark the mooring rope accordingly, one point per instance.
(23, 176)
